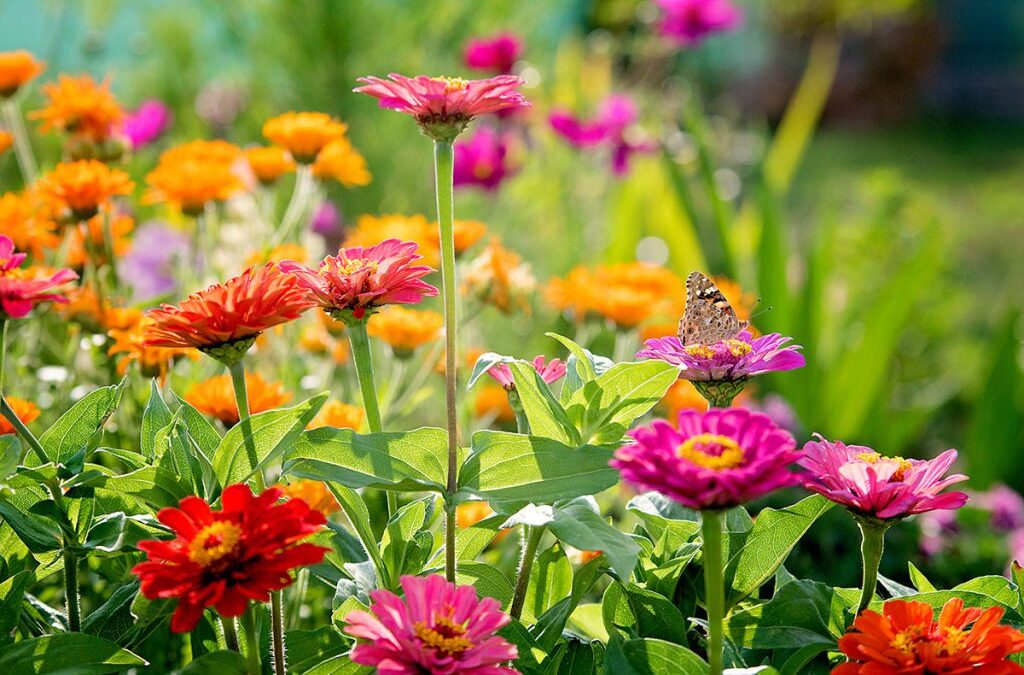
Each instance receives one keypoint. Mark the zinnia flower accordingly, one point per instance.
(688, 22)
(223, 559)
(340, 161)
(549, 371)
(627, 294)
(17, 68)
(880, 487)
(23, 289)
(77, 105)
(491, 401)
(314, 493)
(728, 360)
(358, 280)
(148, 123)
(405, 330)
(224, 319)
(19, 220)
(120, 226)
(611, 128)
(339, 415)
(1006, 506)
(326, 220)
(714, 460)
(496, 54)
(192, 175)
(26, 411)
(130, 346)
(303, 134)
(6, 141)
(499, 277)
(482, 160)
(83, 187)
(439, 628)
(216, 397)
(269, 164)
(906, 639)
(443, 106)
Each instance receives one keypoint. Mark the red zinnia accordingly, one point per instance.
(227, 316)
(223, 559)
(906, 640)
(21, 289)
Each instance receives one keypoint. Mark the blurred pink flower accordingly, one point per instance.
(550, 372)
(714, 460)
(610, 129)
(20, 291)
(359, 279)
(779, 409)
(439, 628)
(688, 22)
(147, 123)
(936, 528)
(326, 220)
(1005, 505)
(881, 487)
(482, 160)
(728, 360)
(496, 54)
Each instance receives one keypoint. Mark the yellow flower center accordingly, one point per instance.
(736, 347)
(700, 351)
(953, 639)
(874, 457)
(444, 635)
(904, 641)
(357, 265)
(452, 84)
(712, 451)
(213, 542)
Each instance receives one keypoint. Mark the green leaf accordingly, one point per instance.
(471, 541)
(12, 593)
(609, 405)
(580, 525)
(919, 580)
(36, 532)
(507, 467)
(549, 627)
(75, 428)
(545, 414)
(223, 662)
(487, 581)
(651, 657)
(113, 619)
(802, 613)
(407, 461)
(406, 545)
(68, 654)
(10, 455)
(359, 516)
(550, 582)
(575, 657)
(339, 665)
(156, 416)
(632, 611)
(580, 367)
(200, 429)
(307, 648)
(273, 431)
(485, 362)
(155, 486)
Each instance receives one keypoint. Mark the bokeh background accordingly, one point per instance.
(866, 158)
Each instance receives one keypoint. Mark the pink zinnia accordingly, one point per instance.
(358, 279)
(688, 22)
(148, 123)
(443, 106)
(550, 372)
(482, 160)
(714, 460)
(497, 54)
(609, 128)
(20, 292)
(439, 628)
(728, 360)
(880, 487)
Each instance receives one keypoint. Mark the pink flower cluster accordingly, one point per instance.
(608, 129)
(550, 371)
(483, 160)
(688, 22)
(496, 54)
(20, 292)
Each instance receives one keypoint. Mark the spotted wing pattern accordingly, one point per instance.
(708, 318)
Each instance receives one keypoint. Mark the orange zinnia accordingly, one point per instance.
(84, 186)
(20, 221)
(905, 638)
(303, 134)
(16, 69)
(26, 411)
(84, 307)
(405, 329)
(79, 250)
(370, 230)
(627, 294)
(6, 141)
(342, 162)
(314, 493)
(216, 397)
(468, 514)
(224, 319)
(194, 174)
(130, 344)
(339, 415)
(499, 277)
(78, 105)
(269, 164)
(492, 401)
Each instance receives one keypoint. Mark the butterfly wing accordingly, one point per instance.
(708, 317)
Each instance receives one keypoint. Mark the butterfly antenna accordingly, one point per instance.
(760, 311)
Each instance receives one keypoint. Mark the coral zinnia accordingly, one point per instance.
(358, 280)
(23, 289)
(342, 162)
(405, 329)
(84, 186)
(78, 105)
(906, 639)
(714, 460)
(438, 628)
(26, 411)
(17, 68)
(224, 559)
(443, 106)
(216, 397)
(549, 371)
(303, 134)
(881, 487)
(268, 164)
(224, 319)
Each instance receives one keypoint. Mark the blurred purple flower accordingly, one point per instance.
(326, 220)
(611, 128)
(150, 265)
(936, 527)
(482, 160)
(496, 54)
(1006, 507)
(147, 123)
(688, 22)
(779, 410)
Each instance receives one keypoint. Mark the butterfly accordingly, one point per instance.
(708, 318)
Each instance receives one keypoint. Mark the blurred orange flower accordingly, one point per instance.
(130, 345)
(405, 329)
(314, 493)
(28, 231)
(492, 401)
(370, 230)
(83, 187)
(121, 227)
(339, 415)
(342, 162)
(499, 277)
(216, 397)
(277, 254)
(26, 411)
(269, 164)
(192, 175)
(16, 69)
(6, 141)
(78, 105)
(303, 134)
(84, 307)
(627, 294)
(468, 514)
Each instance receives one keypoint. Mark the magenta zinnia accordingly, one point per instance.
(714, 460)
(882, 487)
(358, 280)
(439, 628)
(549, 371)
(21, 289)
(728, 360)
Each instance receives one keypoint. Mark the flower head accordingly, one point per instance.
(714, 460)
(339, 415)
(80, 106)
(404, 329)
(340, 161)
(224, 319)
(628, 294)
(688, 22)
(89, 239)
(491, 402)
(216, 397)
(83, 187)
(23, 289)
(482, 160)
(192, 175)
(906, 638)
(326, 220)
(496, 54)
(549, 371)
(1005, 505)
(223, 559)
(358, 280)
(499, 277)
(130, 346)
(881, 487)
(314, 493)
(148, 123)
(269, 163)
(304, 134)
(6, 141)
(22, 222)
(612, 128)
(443, 106)
(17, 68)
(727, 360)
(438, 628)
(26, 411)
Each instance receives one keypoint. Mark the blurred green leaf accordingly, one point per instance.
(66, 653)
(75, 429)
(651, 657)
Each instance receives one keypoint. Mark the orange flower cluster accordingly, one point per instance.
(6, 141)
(83, 187)
(80, 249)
(339, 415)
(304, 134)
(130, 346)
(24, 223)
(194, 174)
(269, 164)
(17, 68)
(405, 329)
(492, 402)
(80, 106)
(340, 161)
(628, 294)
(216, 397)
(26, 411)
(370, 230)
(500, 278)
(314, 493)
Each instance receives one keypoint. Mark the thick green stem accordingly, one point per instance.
(230, 634)
(277, 631)
(532, 535)
(714, 586)
(71, 599)
(252, 640)
(237, 371)
(22, 147)
(443, 167)
(872, 542)
(26, 435)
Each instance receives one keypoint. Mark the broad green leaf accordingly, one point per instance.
(471, 541)
(200, 429)
(359, 517)
(579, 367)
(273, 432)
(509, 467)
(307, 648)
(651, 657)
(634, 612)
(802, 613)
(67, 653)
(156, 416)
(10, 455)
(407, 461)
(75, 428)
(609, 405)
(12, 593)
(550, 625)
(339, 665)
(223, 662)
(550, 581)
(406, 544)
(546, 416)
(37, 533)
(919, 580)
(575, 657)
(113, 619)
(487, 581)
(578, 524)
(155, 486)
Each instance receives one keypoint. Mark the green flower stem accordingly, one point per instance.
(230, 634)
(304, 184)
(522, 423)
(237, 371)
(532, 535)
(872, 533)
(252, 640)
(26, 435)
(22, 147)
(277, 625)
(363, 358)
(443, 167)
(714, 586)
(3, 350)
(71, 598)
